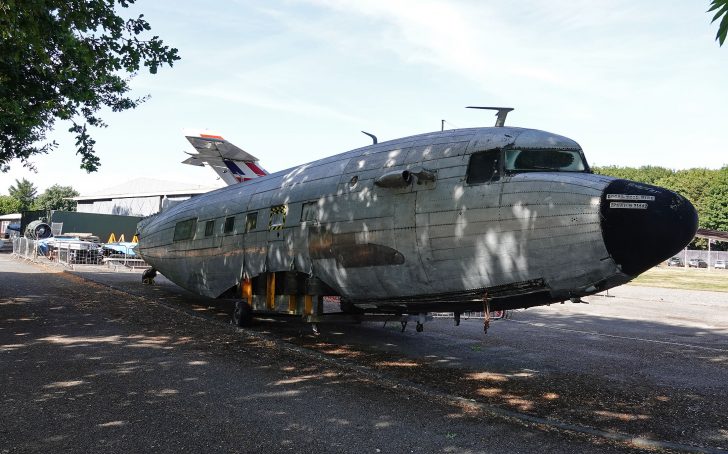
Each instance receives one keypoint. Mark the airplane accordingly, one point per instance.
(232, 164)
(475, 219)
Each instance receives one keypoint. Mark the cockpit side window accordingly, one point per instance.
(550, 160)
(484, 167)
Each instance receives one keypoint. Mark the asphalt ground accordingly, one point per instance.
(93, 361)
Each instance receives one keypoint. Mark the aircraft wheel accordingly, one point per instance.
(420, 327)
(243, 314)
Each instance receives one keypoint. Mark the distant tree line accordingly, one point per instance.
(706, 189)
(23, 196)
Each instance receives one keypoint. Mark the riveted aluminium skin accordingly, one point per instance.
(435, 243)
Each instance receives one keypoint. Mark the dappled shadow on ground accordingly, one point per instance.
(116, 339)
(88, 368)
(668, 384)
(84, 363)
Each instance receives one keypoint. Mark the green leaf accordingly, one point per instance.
(65, 59)
(722, 30)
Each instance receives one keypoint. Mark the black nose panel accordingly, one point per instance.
(643, 225)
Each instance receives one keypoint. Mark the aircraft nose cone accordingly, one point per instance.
(643, 225)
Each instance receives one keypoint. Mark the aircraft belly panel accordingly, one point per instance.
(255, 253)
(299, 244)
(280, 254)
(222, 272)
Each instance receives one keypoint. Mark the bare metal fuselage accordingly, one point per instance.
(440, 243)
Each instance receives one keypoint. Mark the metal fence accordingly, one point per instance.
(72, 253)
(709, 257)
(25, 248)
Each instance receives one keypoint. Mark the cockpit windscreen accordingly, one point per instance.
(544, 159)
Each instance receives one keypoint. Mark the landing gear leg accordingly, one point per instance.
(243, 314)
(457, 318)
(148, 276)
(404, 326)
(486, 313)
(421, 323)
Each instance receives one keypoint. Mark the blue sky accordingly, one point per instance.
(635, 83)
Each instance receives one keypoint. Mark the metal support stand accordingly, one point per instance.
(486, 313)
(422, 317)
(148, 276)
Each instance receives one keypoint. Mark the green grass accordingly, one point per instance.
(685, 278)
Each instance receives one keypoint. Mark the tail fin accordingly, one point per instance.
(232, 164)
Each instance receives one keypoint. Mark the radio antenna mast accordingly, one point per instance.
(501, 114)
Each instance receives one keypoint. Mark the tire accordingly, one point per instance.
(243, 314)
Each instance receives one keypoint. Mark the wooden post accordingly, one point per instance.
(270, 292)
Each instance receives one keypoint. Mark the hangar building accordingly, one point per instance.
(138, 197)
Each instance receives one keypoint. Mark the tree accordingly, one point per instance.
(691, 184)
(24, 192)
(56, 198)
(644, 174)
(721, 9)
(65, 60)
(9, 205)
(716, 203)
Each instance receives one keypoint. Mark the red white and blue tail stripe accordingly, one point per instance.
(232, 164)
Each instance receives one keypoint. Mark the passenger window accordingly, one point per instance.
(484, 167)
(251, 221)
(209, 228)
(185, 230)
(229, 224)
(277, 217)
(309, 212)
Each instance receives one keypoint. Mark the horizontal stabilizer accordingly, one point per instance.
(193, 162)
(214, 145)
(231, 163)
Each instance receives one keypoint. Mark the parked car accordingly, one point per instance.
(675, 261)
(719, 264)
(697, 263)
